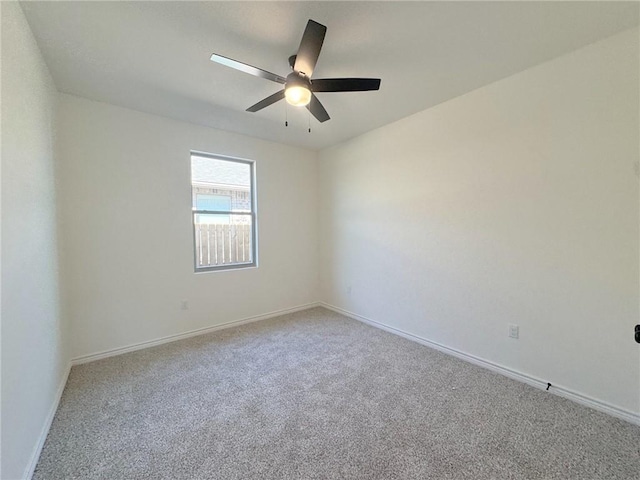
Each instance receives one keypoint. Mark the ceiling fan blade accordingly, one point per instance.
(309, 49)
(317, 110)
(267, 101)
(345, 84)
(243, 67)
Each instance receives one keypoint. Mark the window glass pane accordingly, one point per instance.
(213, 202)
(219, 244)
(211, 171)
(211, 218)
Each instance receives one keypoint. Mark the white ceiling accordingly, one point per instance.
(154, 56)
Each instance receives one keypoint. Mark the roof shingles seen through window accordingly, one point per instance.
(210, 170)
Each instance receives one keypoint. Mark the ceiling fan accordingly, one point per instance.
(299, 90)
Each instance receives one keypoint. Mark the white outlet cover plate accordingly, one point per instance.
(514, 331)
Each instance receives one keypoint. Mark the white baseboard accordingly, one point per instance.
(92, 357)
(35, 456)
(501, 369)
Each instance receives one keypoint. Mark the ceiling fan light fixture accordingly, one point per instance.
(297, 95)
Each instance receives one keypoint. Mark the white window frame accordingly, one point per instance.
(252, 214)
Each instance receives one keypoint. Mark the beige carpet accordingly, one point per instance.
(314, 395)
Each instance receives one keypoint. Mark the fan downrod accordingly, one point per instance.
(292, 61)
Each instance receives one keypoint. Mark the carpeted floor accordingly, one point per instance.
(314, 395)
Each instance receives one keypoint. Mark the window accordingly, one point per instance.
(223, 212)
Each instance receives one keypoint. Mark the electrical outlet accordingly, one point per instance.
(184, 305)
(514, 331)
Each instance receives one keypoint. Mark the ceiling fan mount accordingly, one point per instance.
(292, 61)
(299, 89)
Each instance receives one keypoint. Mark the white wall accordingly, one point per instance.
(126, 219)
(515, 203)
(34, 357)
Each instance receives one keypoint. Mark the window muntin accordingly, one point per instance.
(223, 212)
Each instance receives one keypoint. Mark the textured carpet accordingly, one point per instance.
(314, 395)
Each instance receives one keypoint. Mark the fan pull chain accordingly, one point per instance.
(309, 118)
(286, 117)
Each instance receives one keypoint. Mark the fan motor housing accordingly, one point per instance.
(297, 79)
